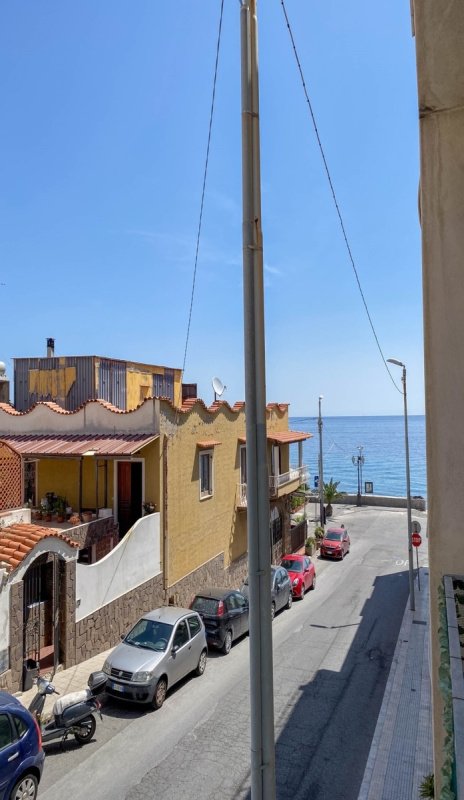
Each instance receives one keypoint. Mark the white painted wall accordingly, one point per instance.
(135, 560)
(13, 516)
(93, 417)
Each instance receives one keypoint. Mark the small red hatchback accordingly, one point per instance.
(302, 573)
(336, 543)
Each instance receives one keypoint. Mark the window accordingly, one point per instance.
(6, 736)
(30, 481)
(243, 469)
(194, 625)
(181, 635)
(20, 726)
(206, 473)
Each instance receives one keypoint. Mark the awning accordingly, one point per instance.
(207, 443)
(284, 437)
(78, 445)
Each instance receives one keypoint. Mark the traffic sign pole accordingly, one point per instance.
(416, 540)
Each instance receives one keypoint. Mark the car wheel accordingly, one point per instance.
(290, 599)
(26, 788)
(313, 585)
(160, 693)
(227, 643)
(86, 730)
(201, 666)
(272, 610)
(302, 593)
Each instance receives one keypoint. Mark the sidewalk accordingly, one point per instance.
(401, 750)
(66, 680)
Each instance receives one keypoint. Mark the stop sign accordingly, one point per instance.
(416, 539)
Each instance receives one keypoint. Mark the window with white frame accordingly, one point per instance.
(206, 473)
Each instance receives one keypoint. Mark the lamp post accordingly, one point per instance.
(412, 604)
(359, 461)
(321, 468)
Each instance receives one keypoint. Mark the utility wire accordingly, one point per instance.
(334, 196)
(203, 192)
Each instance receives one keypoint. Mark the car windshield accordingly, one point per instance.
(150, 634)
(292, 564)
(205, 605)
(333, 536)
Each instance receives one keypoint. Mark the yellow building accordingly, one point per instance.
(185, 463)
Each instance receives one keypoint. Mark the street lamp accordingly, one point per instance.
(359, 461)
(321, 469)
(408, 484)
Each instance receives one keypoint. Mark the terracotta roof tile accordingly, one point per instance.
(17, 541)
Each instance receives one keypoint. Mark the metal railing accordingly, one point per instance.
(300, 474)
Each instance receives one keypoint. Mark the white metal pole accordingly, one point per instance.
(259, 551)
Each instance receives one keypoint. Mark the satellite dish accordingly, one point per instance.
(218, 387)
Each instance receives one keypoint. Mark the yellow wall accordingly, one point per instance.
(199, 529)
(54, 382)
(61, 476)
(139, 383)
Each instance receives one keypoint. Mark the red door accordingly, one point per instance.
(129, 494)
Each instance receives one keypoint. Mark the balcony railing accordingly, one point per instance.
(276, 482)
(299, 474)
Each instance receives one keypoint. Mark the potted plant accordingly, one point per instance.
(60, 509)
(318, 534)
(331, 493)
(310, 546)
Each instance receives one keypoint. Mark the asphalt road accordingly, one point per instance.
(332, 654)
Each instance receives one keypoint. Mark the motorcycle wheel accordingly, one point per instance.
(86, 730)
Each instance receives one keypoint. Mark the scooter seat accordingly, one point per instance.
(70, 699)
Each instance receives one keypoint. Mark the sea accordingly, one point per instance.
(383, 449)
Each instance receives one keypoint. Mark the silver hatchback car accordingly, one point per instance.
(163, 647)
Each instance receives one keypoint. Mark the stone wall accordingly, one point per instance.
(213, 573)
(103, 628)
(98, 532)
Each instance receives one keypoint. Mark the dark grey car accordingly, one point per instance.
(281, 589)
(163, 647)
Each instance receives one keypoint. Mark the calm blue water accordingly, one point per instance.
(384, 455)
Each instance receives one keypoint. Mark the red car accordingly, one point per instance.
(302, 573)
(336, 543)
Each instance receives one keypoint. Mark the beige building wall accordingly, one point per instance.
(439, 31)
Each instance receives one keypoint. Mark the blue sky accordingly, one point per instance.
(105, 110)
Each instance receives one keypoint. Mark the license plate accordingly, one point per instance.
(117, 687)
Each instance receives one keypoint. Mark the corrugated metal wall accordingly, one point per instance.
(112, 382)
(83, 388)
(163, 385)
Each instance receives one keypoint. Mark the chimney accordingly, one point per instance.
(4, 385)
(50, 348)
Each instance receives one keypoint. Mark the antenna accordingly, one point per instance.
(218, 387)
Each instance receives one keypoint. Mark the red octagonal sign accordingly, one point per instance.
(416, 539)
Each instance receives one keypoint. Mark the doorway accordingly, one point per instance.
(129, 494)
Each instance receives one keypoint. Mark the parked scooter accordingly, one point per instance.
(73, 714)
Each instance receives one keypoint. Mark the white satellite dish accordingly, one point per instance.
(218, 387)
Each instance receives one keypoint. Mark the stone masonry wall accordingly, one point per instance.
(102, 629)
(212, 573)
